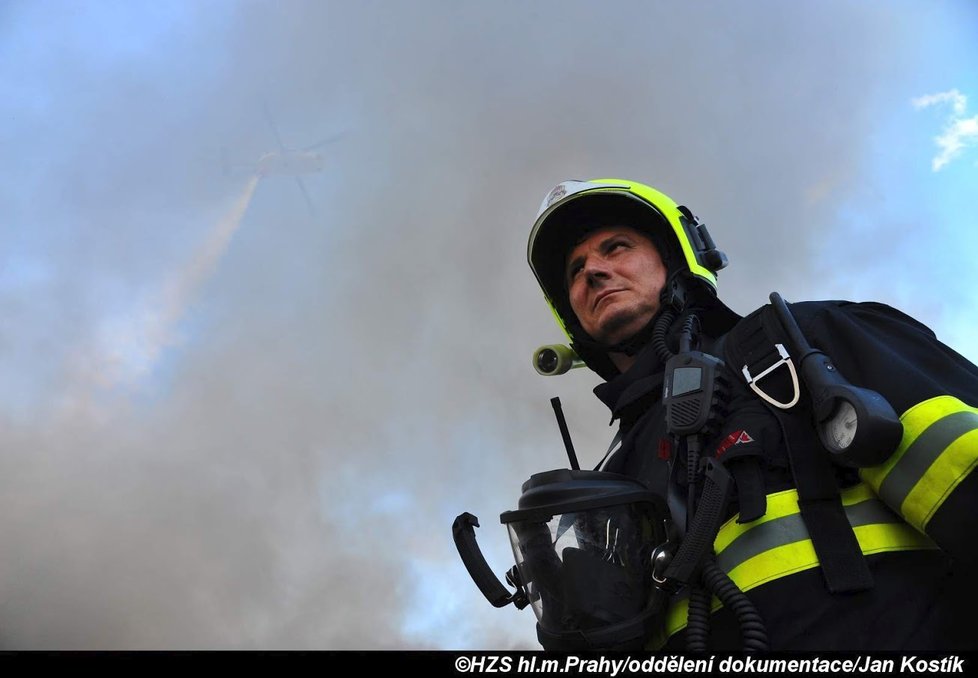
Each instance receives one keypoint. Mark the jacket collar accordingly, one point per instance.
(644, 377)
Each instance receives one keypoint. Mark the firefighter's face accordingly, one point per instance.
(614, 278)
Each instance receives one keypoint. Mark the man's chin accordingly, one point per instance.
(617, 328)
(616, 334)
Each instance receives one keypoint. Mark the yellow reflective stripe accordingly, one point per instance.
(938, 450)
(779, 505)
(915, 421)
(799, 555)
(791, 558)
(954, 464)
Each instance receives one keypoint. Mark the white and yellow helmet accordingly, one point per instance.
(574, 207)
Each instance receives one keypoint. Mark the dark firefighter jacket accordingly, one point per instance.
(919, 598)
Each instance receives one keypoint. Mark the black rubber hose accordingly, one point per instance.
(752, 630)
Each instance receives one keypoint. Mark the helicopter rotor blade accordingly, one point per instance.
(302, 187)
(271, 123)
(324, 142)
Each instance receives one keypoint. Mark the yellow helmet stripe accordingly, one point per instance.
(670, 210)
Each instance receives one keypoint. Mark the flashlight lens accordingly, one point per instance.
(547, 360)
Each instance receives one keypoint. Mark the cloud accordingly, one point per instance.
(958, 132)
(959, 100)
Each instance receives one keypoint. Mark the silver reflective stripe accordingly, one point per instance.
(791, 529)
(923, 452)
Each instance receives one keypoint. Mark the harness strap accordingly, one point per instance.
(753, 343)
(746, 471)
(752, 503)
(843, 565)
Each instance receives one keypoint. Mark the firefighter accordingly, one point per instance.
(836, 549)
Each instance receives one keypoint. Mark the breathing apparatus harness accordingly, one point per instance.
(856, 428)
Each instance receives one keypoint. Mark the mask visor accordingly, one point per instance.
(588, 569)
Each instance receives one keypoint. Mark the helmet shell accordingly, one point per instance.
(573, 208)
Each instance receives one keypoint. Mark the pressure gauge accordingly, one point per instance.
(841, 426)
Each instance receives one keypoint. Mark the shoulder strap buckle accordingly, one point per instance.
(785, 360)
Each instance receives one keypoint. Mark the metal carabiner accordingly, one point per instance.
(785, 360)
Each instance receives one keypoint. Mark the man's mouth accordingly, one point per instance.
(604, 295)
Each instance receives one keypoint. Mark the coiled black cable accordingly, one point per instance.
(698, 619)
(688, 333)
(752, 631)
(659, 332)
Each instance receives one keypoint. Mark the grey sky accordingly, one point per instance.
(343, 383)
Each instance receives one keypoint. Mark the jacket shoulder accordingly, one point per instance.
(873, 313)
(879, 347)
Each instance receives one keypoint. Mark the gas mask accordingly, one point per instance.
(589, 547)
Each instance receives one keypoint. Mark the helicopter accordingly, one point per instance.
(294, 162)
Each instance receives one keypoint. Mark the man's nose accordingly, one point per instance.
(596, 271)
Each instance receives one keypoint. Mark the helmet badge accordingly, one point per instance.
(559, 192)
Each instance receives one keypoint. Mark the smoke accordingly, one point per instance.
(129, 347)
(277, 438)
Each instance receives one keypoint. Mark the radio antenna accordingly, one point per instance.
(565, 434)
